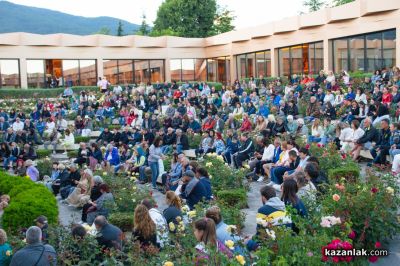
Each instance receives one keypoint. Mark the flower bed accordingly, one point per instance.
(28, 201)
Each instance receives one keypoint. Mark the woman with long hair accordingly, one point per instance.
(173, 213)
(205, 233)
(144, 230)
(317, 132)
(289, 196)
(81, 194)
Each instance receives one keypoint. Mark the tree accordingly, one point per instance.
(341, 2)
(313, 5)
(144, 27)
(223, 21)
(104, 31)
(187, 18)
(120, 30)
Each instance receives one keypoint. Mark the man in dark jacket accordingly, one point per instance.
(105, 137)
(382, 146)
(109, 236)
(370, 135)
(182, 141)
(192, 189)
(246, 150)
(69, 183)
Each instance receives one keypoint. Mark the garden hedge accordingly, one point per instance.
(350, 171)
(233, 197)
(28, 201)
(40, 93)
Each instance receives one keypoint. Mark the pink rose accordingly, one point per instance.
(374, 190)
(336, 197)
(373, 259)
(352, 235)
(377, 244)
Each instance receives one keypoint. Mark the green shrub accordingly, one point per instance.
(233, 197)
(28, 201)
(350, 172)
(167, 163)
(194, 141)
(124, 220)
(44, 167)
(43, 153)
(40, 93)
(72, 154)
(80, 139)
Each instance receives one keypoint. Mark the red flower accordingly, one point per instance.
(373, 259)
(352, 235)
(374, 190)
(335, 259)
(307, 146)
(377, 244)
(324, 258)
(319, 145)
(344, 156)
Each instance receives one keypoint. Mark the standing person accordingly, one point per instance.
(35, 252)
(155, 154)
(104, 85)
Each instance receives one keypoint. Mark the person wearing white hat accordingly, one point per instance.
(31, 170)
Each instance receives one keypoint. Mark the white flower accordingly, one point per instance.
(390, 191)
(209, 164)
(328, 221)
(262, 222)
(271, 233)
(231, 229)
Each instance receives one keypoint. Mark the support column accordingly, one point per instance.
(167, 70)
(274, 62)
(99, 62)
(23, 74)
(397, 46)
(327, 58)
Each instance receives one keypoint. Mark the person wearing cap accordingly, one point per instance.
(192, 189)
(42, 223)
(31, 170)
(35, 252)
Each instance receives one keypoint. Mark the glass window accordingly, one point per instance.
(88, 72)
(175, 68)
(241, 66)
(356, 46)
(35, 72)
(200, 69)
(125, 72)
(221, 70)
(71, 72)
(268, 63)
(296, 53)
(284, 61)
(250, 65)
(212, 70)
(318, 57)
(157, 71)
(260, 64)
(374, 51)
(110, 69)
(9, 73)
(142, 73)
(340, 55)
(187, 69)
(389, 48)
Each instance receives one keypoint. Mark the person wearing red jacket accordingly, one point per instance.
(387, 97)
(177, 95)
(246, 124)
(209, 123)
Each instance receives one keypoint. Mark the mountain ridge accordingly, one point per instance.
(20, 18)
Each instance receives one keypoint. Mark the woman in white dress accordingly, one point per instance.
(68, 140)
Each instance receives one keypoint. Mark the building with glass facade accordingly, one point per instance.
(359, 36)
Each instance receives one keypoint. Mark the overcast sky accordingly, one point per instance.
(248, 12)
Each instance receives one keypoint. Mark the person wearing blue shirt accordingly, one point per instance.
(204, 178)
(277, 99)
(263, 109)
(194, 125)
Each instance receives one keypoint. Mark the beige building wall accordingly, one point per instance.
(361, 16)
